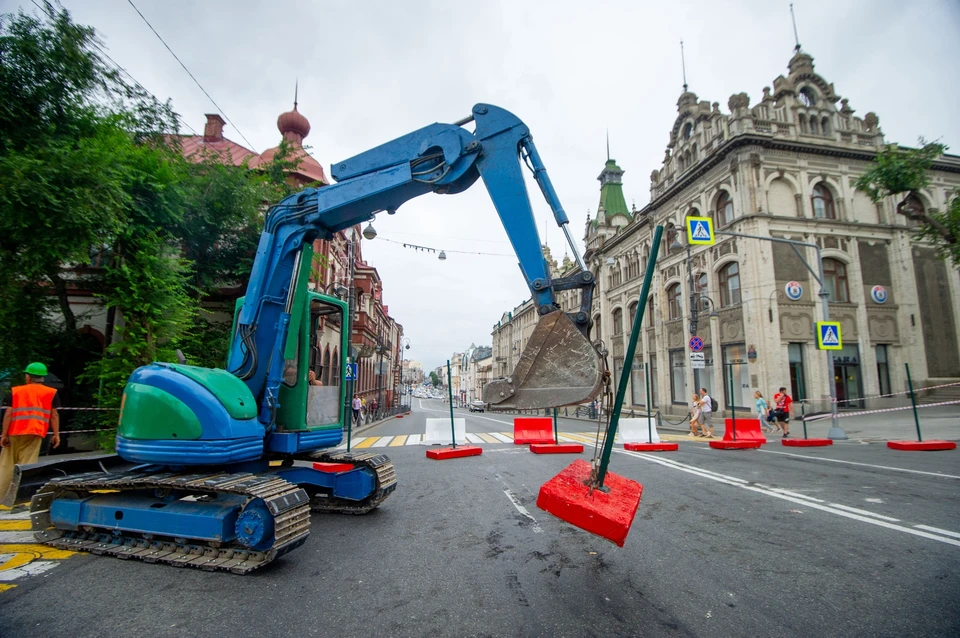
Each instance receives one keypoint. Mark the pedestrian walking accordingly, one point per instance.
(32, 412)
(357, 406)
(763, 412)
(708, 406)
(782, 411)
(696, 429)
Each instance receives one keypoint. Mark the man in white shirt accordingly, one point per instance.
(706, 411)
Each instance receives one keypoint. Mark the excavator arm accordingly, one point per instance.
(559, 365)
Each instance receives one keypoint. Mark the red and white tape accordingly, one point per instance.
(844, 415)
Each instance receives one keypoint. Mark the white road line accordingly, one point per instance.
(500, 437)
(30, 569)
(473, 438)
(383, 442)
(796, 494)
(25, 536)
(879, 467)
(522, 509)
(720, 478)
(510, 423)
(937, 530)
(703, 471)
(857, 510)
(14, 516)
(413, 439)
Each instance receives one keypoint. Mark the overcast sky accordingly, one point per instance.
(372, 71)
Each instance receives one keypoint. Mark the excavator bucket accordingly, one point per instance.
(558, 367)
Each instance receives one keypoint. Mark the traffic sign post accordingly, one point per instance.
(828, 335)
(696, 344)
(700, 231)
(697, 361)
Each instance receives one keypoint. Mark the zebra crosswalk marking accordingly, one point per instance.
(398, 440)
(383, 442)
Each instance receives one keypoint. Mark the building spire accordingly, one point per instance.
(608, 145)
(683, 62)
(296, 91)
(796, 38)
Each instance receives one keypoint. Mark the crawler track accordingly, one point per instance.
(288, 504)
(379, 464)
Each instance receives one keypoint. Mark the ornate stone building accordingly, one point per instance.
(782, 168)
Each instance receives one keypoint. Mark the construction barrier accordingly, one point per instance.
(638, 431)
(437, 432)
(556, 448)
(532, 430)
(442, 453)
(747, 430)
(921, 446)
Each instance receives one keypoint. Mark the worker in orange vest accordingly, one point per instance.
(32, 412)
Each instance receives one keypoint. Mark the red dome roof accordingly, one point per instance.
(294, 123)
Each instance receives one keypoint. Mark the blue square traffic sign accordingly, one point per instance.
(828, 335)
(351, 372)
(700, 230)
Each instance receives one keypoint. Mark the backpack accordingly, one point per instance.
(714, 405)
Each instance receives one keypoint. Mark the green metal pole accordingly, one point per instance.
(631, 350)
(733, 405)
(802, 414)
(453, 432)
(556, 432)
(913, 400)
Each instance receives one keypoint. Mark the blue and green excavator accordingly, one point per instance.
(202, 491)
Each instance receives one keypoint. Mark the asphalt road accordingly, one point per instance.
(852, 540)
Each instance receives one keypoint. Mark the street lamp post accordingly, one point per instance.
(404, 345)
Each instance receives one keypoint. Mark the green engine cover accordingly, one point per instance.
(229, 390)
(150, 413)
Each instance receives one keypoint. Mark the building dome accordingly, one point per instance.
(293, 126)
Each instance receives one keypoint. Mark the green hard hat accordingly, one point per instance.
(36, 370)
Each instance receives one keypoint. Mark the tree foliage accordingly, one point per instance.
(905, 172)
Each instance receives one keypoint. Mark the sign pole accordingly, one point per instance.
(733, 405)
(913, 401)
(556, 433)
(453, 431)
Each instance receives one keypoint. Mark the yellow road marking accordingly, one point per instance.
(4, 587)
(17, 560)
(37, 550)
(398, 441)
(489, 439)
(366, 442)
(14, 525)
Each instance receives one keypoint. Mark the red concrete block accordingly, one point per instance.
(532, 429)
(747, 430)
(400, 416)
(735, 445)
(333, 468)
(556, 448)
(663, 446)
(606, 514)
(806, 442)
(921, 446)
(439, 454)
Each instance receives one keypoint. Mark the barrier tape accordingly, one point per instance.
(88, 409)
(881, 396)
(844, 415)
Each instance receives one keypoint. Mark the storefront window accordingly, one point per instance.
(735, 355)
(883, 369)
(798, 385)
(678, 377)
(617, 371)
(638, 386)
(846, 373)
(707, 379)
(653, 380)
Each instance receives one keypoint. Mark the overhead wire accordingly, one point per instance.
(227, 117)
(444, 250)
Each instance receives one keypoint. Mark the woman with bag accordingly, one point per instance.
(764, 413)
(696, 427)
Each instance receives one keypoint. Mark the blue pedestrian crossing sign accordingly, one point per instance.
(828, 335)
(700, 230)
(351, 372)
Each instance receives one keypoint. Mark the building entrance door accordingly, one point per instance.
(846, 374)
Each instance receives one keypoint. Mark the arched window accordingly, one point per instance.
(835, 280)
(335, 368)
(825, 126)
(650, 315)
(808, 97)
(694, 148)
(325, 372)
(730, 284)
(687, 130)
(675, 301)
(724, 211)
(802, 119)
(595, 329)
(813, 125)
(618, 322)
(633, 313)
(823, 202)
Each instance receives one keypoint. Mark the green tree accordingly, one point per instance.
(434, 379)
(905, 172)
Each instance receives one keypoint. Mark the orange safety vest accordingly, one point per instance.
(31, 410)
